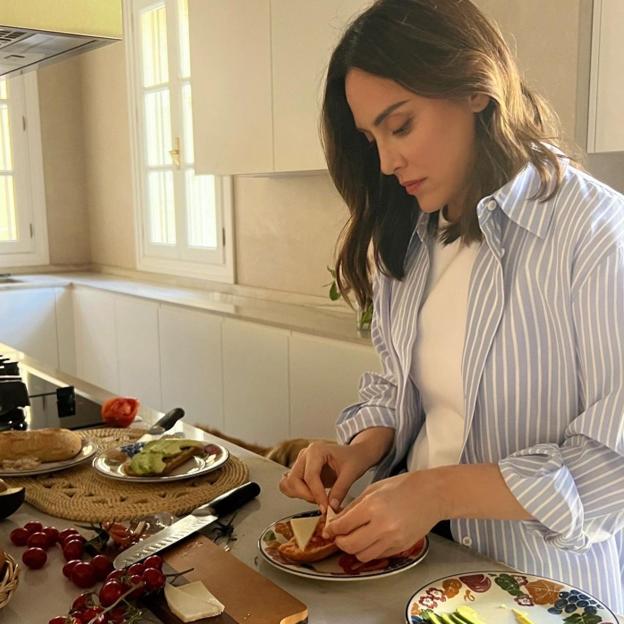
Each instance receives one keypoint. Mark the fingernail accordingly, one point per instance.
(323, 509)
(334, 504)
(325, 534)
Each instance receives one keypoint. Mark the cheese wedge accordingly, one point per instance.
(303, 529)
(192, 602)
(331, 514)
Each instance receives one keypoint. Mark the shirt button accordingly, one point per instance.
(467, 541)
(491, 205)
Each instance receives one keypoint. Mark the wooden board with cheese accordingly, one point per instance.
(248, 597)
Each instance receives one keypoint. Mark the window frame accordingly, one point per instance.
(29, 189)
(151, 257)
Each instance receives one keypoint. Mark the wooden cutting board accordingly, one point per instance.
(249, 597)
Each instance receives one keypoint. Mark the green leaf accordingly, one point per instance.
(334, 293)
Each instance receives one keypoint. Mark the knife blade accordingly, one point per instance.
(199, 518)
(162, 425)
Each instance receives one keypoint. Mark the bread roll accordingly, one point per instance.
(42, 444)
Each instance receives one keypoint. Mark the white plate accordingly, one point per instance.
(194, 467)
(330, 569)
(494, 594)
(87, 450)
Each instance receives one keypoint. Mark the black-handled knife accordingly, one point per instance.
(198, 519)
(162, 424)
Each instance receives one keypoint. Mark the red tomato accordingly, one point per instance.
(120, 411)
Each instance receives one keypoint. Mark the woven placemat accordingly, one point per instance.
(81, 493)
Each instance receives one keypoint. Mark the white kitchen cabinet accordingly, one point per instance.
(256, 77)
(299, 62)
(190, 364)
(606, 94)
(230, 49)
(324, 379)
(138, 357)
(28, 322)
(95, 338)
(64, 308)
(255, 382)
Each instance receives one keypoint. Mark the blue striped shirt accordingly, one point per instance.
(543, 375)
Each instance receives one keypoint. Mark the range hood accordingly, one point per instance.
(34, 32)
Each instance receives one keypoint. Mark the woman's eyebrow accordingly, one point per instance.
(379, 119)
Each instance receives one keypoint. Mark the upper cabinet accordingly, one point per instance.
(605, 132)
(230, 46)
(257, 70)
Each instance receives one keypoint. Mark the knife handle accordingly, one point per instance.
(170, 418)
(230, 501)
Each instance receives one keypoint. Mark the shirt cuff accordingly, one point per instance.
(542, 483)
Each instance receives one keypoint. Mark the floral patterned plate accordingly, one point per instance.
(339, 567)
(494, 594)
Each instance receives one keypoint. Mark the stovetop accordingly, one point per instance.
(31, 400)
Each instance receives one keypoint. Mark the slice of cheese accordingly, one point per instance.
(331, 514)
(192, 602)
(303, 529)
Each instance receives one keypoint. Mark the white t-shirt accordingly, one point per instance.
(436, 365)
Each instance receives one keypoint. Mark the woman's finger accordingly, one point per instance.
(357, 540)
(312, 477)
(293, 484)
(374, 551)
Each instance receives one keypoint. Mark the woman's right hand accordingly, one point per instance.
(325, 465)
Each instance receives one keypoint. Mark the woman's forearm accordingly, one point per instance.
(475, 491)
(374, 443)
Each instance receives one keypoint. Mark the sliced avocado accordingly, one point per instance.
(169, 447)
(151, 459)
(469, 615)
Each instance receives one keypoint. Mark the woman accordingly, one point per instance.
(496, 269)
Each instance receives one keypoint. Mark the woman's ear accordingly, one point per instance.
(478, 102)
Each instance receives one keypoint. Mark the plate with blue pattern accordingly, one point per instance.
(506, 597)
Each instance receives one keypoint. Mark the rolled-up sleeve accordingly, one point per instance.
(377, 391)
(575, 490)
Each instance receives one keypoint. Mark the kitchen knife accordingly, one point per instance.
(198, 519)
(162, 425)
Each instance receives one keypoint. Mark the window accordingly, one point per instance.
(23, 226)
(184, 220)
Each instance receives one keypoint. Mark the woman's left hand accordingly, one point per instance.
(390, 516)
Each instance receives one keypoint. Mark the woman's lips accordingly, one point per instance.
(413, 187)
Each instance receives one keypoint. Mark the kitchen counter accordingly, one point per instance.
(367, 602)
(298, 313)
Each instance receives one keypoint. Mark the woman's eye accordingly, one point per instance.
(404, 129)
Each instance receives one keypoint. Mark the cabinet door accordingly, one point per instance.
(303, 35)
(96, 345)
(230, 50)
(255, 382)
(606, 124)
(28, 323)
(136, 329)
(190, 363)
(324, 379)
(65, 330)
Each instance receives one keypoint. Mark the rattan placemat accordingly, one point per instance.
(80, 493)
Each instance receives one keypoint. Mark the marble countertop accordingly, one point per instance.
(321, 319)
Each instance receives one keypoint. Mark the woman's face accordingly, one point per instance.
(426, 142)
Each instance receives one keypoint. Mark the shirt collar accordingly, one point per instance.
(516, 200)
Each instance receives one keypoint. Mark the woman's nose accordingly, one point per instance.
(390, 160)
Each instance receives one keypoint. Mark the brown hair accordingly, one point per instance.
(438, 49)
